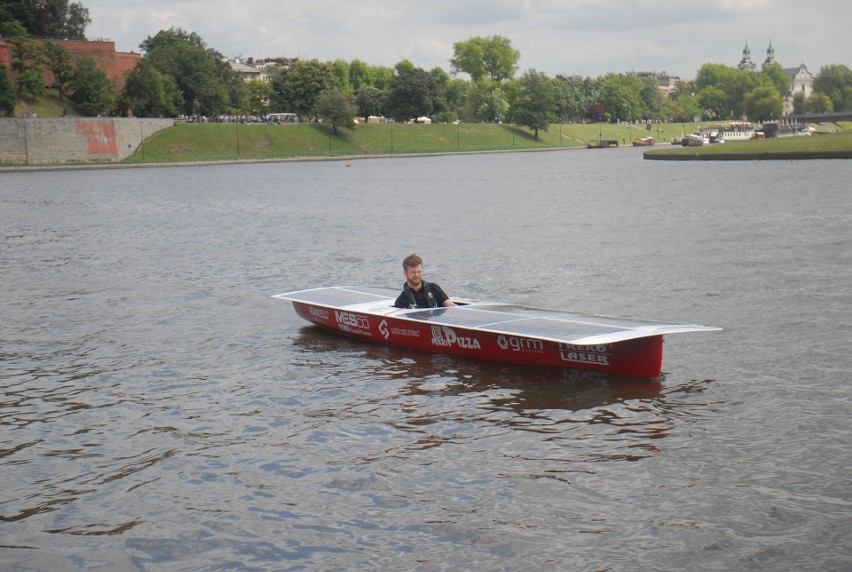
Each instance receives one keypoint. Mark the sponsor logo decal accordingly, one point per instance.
(406, 332)
(446, 337)
(585, 354)
(526, 345)
(320, 313)
(353, 323)
(397, 331)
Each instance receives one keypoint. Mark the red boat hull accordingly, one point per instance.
(640, 357)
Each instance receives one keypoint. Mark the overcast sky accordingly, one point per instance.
(571, 37)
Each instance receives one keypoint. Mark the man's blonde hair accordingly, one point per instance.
(411, 261)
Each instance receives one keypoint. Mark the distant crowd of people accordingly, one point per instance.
(267, 119)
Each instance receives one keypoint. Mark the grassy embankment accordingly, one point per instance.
(49, 105)
(228, 142)
(820, 145)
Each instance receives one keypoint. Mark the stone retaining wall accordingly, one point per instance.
(74, 140)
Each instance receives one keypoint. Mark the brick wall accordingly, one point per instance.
(115, 64)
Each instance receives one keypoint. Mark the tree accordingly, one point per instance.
(18, 17)
(492, 56)
(297, 89)
(206, 82)
(575, 96)
(777, 78)
(799, 102)
(359, 75)
(8, 97)
(46, 18)
(61, 19)
(149, 93)
(536, 107)
(413, 93)
(334, 108)
(440, 112)
(621, 98)
(455, 98)
(341, 71)
(488, 100)
(835, 81)
(58, 61)
(30, 81)
(819, 103)
(763, 103)
(684, 108)
(257, 97)
(26, 64)
(715, 103)
(369, 101)
(652, 98)
(93, 92)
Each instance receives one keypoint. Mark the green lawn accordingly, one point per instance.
(205, 142)
(225, 142)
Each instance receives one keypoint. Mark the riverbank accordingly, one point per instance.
(202, 144)
(818, 146)
(240, 142)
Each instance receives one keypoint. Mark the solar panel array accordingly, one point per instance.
(500, 318)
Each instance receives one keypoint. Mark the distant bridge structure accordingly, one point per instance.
(821, 117)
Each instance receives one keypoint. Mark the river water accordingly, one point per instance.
(161, 412)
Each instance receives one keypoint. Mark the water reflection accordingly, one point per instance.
(522, 388)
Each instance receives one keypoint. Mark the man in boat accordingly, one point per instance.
(415, 292)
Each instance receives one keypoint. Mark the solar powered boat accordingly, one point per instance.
(491, 331)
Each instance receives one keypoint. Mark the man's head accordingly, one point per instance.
(412, 266)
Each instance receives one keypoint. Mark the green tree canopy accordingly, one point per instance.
(799, 102)
(297, 90)
(341, 70)
(730, 86)
(207, 84)
(8, 97)
(684, 108)
(47, 18)
(334, 108)
(58, 61)
(777, 78)
(763, 103)
(491, 56)
(835, 81)
(536, 106)
(621, 97)
(26, 64)
(18, 17)
(92, 91)
(257, 97)
(488, 100)
(363, 75)
(149, 93)
(652, 98)
(819, 103)
(369, 101)
(413, 93)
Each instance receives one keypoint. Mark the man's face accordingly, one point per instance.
(414, 276)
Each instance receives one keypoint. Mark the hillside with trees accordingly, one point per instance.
(180, 75)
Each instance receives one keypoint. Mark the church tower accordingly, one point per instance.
(770, 55)
(746, 63)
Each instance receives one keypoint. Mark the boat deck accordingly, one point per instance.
(558, 326)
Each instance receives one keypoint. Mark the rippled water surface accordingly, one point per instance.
(161, 412)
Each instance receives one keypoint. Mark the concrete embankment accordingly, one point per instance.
(53, 141)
